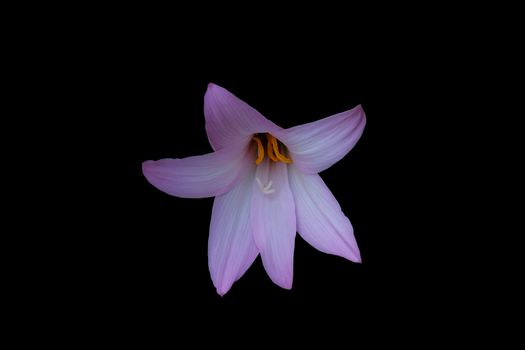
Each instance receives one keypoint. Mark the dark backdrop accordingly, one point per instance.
(398, 185)
(380, 184)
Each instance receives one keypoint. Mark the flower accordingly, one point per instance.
(266, 187)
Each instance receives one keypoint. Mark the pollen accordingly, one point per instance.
(274, 148)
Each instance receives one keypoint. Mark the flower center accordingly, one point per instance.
(274, 148)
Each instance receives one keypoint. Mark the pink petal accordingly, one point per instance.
(231, 248)
(273, 222)
(320, 220)
(208, 175)
(318, 145)
(228, 119)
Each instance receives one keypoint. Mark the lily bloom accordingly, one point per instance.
(266, 186)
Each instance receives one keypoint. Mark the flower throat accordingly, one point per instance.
(274, 148)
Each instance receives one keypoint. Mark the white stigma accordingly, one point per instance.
(265, 189)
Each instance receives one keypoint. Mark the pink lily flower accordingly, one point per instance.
(266, 187)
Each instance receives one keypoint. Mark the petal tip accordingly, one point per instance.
(354, 257)
(222, 290)
(287, 286)
(358, 108)
(284, 283)
(351, 252)
(146, 166)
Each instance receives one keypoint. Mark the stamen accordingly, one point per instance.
(279, 156)
(265, 189)
(260, 150)
(270, 150)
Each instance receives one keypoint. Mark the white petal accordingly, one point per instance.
(316, 146)
(229, 119)
(320, 220)
(231, 248)
(273, 221)
(208, 175)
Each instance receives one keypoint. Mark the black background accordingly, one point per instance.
(99, 90)
(402, 186)
(383, 185)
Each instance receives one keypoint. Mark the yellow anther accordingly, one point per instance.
(260, 150)
(279, 156)
(270, 150)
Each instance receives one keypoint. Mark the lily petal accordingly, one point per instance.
(208, 175)
(318, 145)
(229, 119)
(273, 221)
(320, 220)
(231, 248)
